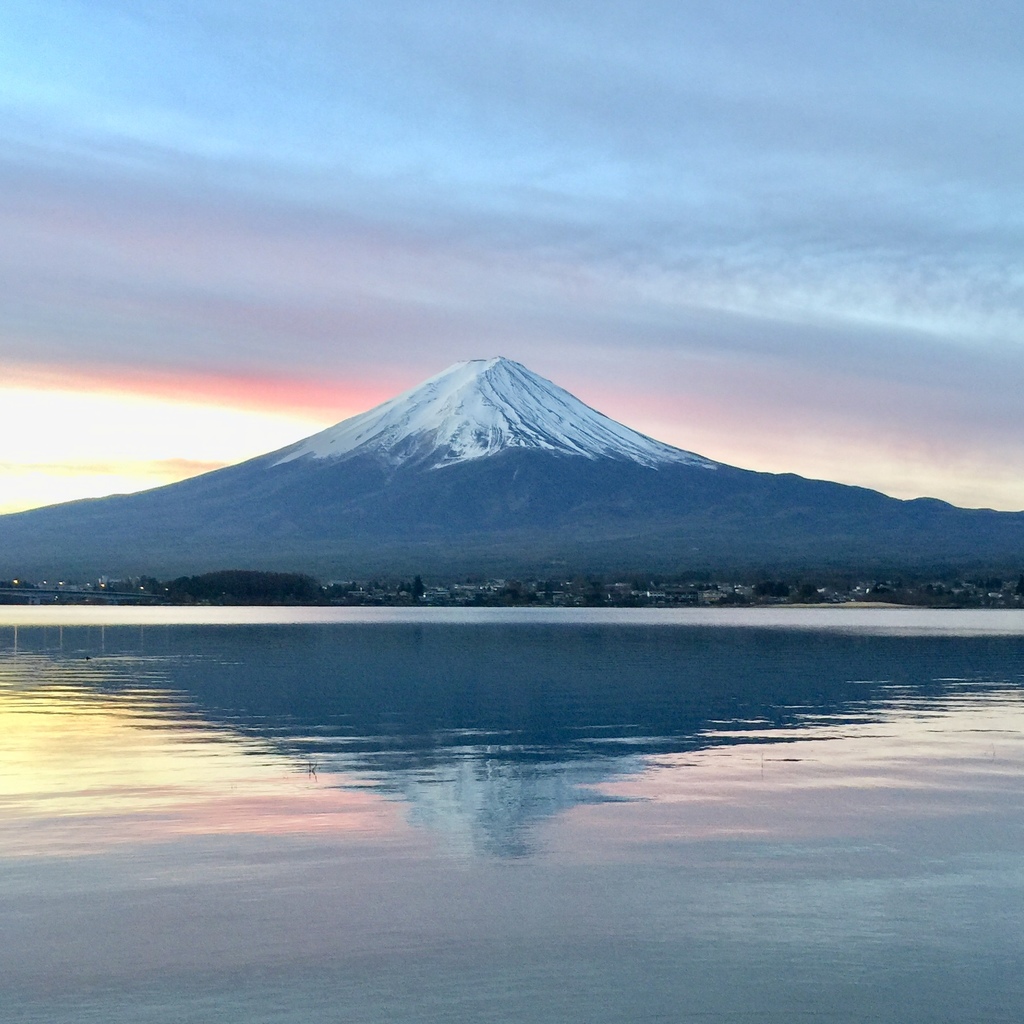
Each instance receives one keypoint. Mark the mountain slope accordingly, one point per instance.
(490, 468)
(477, 409)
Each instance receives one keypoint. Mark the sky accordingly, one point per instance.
(786, 236)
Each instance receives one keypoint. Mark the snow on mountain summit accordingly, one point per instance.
(478, 408)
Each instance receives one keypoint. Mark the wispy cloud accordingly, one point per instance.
(176, 469)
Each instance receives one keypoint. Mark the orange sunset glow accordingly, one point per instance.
(89, 435)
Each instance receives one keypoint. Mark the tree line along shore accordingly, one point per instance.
(248, 587)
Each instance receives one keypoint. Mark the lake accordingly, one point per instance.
(370, 815)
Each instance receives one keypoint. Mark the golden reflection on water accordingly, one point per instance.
(82, 770)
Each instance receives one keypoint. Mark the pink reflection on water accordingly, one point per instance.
(829, 782)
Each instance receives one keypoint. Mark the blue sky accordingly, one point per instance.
(786, 236)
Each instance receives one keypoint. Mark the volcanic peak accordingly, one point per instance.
(479, 408)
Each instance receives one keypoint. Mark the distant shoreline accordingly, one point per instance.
(870, 618)
(253, 588)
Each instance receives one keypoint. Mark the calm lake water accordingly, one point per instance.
(305, 815)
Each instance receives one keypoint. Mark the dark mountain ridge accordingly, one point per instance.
(509, 506)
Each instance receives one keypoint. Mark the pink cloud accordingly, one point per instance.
(314, 398)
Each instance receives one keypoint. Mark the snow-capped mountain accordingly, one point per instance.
(488, 468)
(479, 408)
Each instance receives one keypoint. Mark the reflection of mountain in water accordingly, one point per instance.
(490, 805)
(487, 729)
